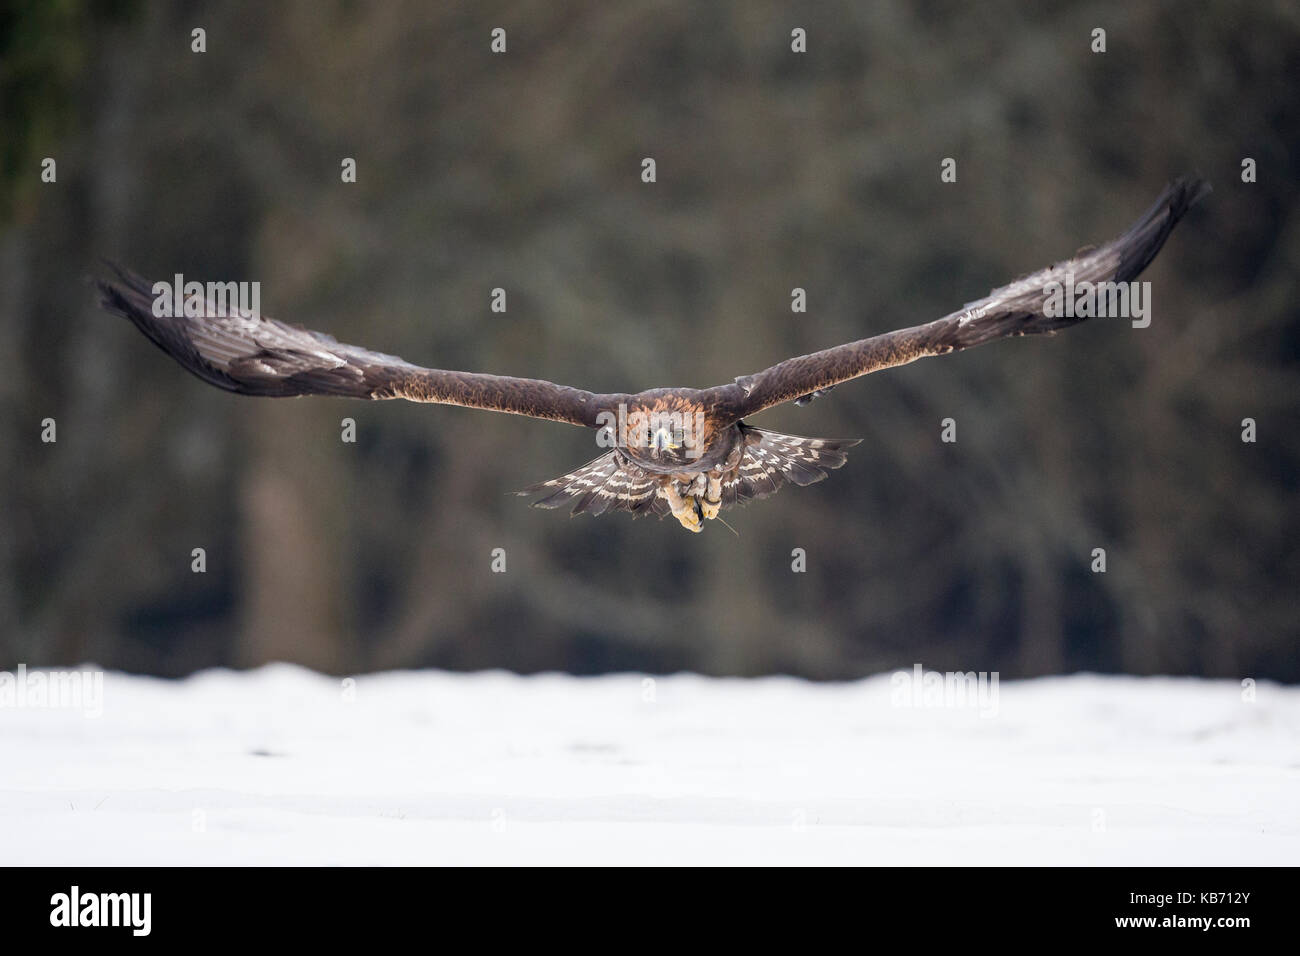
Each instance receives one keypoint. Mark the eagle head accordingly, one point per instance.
(669, 430)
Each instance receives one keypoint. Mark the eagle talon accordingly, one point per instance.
(690, 519)
(709, 509)
(685, 509)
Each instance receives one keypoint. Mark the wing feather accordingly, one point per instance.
(255, 355)
(1014, 309)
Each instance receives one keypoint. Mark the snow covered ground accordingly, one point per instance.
(281, 765)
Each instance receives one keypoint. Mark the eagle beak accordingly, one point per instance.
(662, 439)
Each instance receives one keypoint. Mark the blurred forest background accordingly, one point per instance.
(775, 170)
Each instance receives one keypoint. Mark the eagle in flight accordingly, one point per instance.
(682, 451)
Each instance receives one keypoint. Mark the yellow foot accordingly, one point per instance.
(684, 510)
(690, 518)
(711, 503)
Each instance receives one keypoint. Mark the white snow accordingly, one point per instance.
(281, 765)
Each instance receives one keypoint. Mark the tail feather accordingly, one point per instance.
(607, 483)
(612, 483)
(771, 459)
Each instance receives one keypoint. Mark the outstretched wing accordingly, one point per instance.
(254, 355)
(1015, 309)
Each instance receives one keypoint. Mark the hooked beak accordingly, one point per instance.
(660, 440)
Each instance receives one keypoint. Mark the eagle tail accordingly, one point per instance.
(607, 483)
(771, 459)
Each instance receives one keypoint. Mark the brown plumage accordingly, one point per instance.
(682, 451)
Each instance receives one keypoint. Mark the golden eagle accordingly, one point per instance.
(681, 451)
